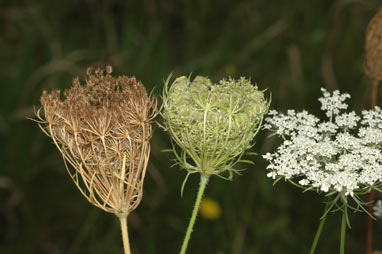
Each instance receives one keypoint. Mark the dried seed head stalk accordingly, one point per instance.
(373, 68)
(102, 130)
(373, 47)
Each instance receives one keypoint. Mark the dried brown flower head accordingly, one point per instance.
(102, 130)
(373, 47)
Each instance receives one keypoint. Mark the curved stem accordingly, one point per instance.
(125, 235)
(202, 187)
(343, 233)
(318, 233)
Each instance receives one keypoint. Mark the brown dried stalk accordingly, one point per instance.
(373, 68)
(102, 129)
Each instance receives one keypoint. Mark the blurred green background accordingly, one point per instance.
(291, 47)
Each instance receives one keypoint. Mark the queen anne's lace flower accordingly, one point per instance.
(341, 155)
(333, 103)
(102, 129)
(213, 123)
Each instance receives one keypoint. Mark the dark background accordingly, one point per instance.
(291, 47)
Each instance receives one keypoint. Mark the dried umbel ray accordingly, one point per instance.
(102, 130)
(373, 47)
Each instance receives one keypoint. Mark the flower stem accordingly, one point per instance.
(369, 234)
(203, 184)
(125, 235)
(343, 233)
(318, 233)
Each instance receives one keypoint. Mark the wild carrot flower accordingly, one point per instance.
(213, 124)
(340, 157)
(102, 129)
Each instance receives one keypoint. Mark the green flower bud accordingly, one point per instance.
(212, 123)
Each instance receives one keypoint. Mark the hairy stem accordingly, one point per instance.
(202, 187)
(318, 233)
(125, 235)
(343, 233)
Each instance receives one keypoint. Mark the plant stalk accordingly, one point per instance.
(369, 234)
(318, 233)
(125, 235)
(343, 233)
(202, 187)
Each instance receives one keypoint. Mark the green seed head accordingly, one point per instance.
(212, 123)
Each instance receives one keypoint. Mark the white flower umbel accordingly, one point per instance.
(340, 157)
(378, 209)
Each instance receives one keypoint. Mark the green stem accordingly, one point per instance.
(203, 183)
(343, 233)
(318, 233)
